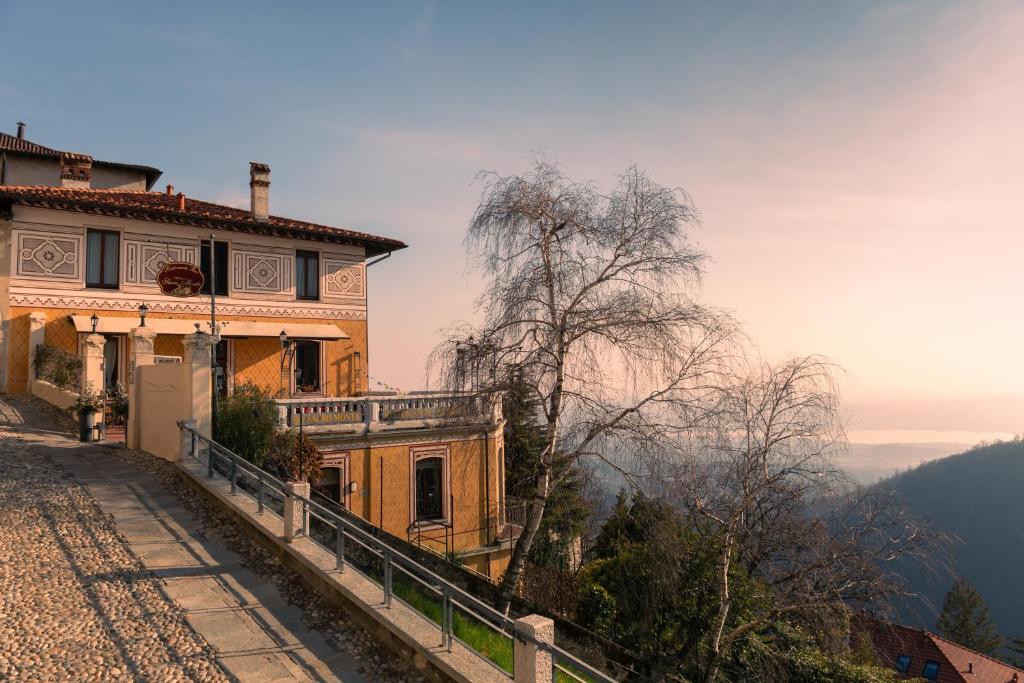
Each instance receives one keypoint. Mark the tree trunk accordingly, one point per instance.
(522, 547)
(723, 611)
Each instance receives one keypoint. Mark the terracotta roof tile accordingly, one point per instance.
(162, 207)
(957, 664)
(11, 143)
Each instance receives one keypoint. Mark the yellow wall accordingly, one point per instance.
(256, 359)
(467, 486)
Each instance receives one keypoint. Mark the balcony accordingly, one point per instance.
(383, 413)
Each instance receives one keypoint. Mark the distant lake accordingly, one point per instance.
(901, 436)
(875, 454)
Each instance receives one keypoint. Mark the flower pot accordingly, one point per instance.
(86, 424)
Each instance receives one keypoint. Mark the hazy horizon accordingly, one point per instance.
(856, 165)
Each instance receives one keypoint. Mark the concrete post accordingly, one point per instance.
(140, 340)
(92, 363)
(36, 334)
(531, 663)
(293, 509)
(198, 348)
(371, 414)
(185, 453)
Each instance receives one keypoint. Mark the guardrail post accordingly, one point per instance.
(294, 506)
(531, 662)
(339, 545)
(188, 444)
(259, 491)
(446, 607)
(387, 577)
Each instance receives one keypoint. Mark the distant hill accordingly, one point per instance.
(978, 496)
(870, 463)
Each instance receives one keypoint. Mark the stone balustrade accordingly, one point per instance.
(382, 413)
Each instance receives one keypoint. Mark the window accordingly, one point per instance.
(930, 671)
(220, 255)
(307, 366)
(430, 489)
(101, 258)
(307, 275)
(903, 664)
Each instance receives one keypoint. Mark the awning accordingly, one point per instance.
(228, 328)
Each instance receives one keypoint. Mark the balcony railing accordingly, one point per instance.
(383, 413)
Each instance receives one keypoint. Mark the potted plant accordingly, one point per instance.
(87, 405)
(119, 403)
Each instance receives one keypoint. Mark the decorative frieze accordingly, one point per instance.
(196, 307)
(143, 260)
(49, 256)
(261, 272)
(344, 278)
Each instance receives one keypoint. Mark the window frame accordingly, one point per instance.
(903, 663)
(204, 252)
(416, 455)
(307, 256)
(320, 367)
(929, 663)
(103, 252)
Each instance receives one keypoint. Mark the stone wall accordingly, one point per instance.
(53, 395)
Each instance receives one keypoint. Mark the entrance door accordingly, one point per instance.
(334, 482)
(111, 362)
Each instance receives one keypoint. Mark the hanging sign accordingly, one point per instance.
(177, 278)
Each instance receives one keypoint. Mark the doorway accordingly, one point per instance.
(334, 477)
(221, 367)
(111, 364)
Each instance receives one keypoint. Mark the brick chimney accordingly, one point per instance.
(259, 190)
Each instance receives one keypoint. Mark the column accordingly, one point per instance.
(531, 663)
(198, 350)
(36, 332)
(92, 364)
(140, 341)
(36, 338)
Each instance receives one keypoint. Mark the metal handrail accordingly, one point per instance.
(451, 595)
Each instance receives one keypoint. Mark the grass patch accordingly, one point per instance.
(495, 646)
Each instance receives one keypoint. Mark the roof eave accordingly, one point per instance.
(371, 246)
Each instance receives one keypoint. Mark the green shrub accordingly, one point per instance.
(58, 367)
(247, 422)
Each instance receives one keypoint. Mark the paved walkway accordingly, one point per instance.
(105, 575)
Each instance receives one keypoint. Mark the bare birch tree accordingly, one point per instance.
(589, 300)
(761, 471)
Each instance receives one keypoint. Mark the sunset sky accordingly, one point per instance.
(859, 167)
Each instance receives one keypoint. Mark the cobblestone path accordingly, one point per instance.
(105, 575)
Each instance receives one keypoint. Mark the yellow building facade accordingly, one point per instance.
(291, 317)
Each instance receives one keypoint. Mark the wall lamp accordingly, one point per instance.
(285, 341)
(95, 320)
(143, 310)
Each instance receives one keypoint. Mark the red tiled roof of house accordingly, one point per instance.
(957, 664)
(163, 207)
(12, 143)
